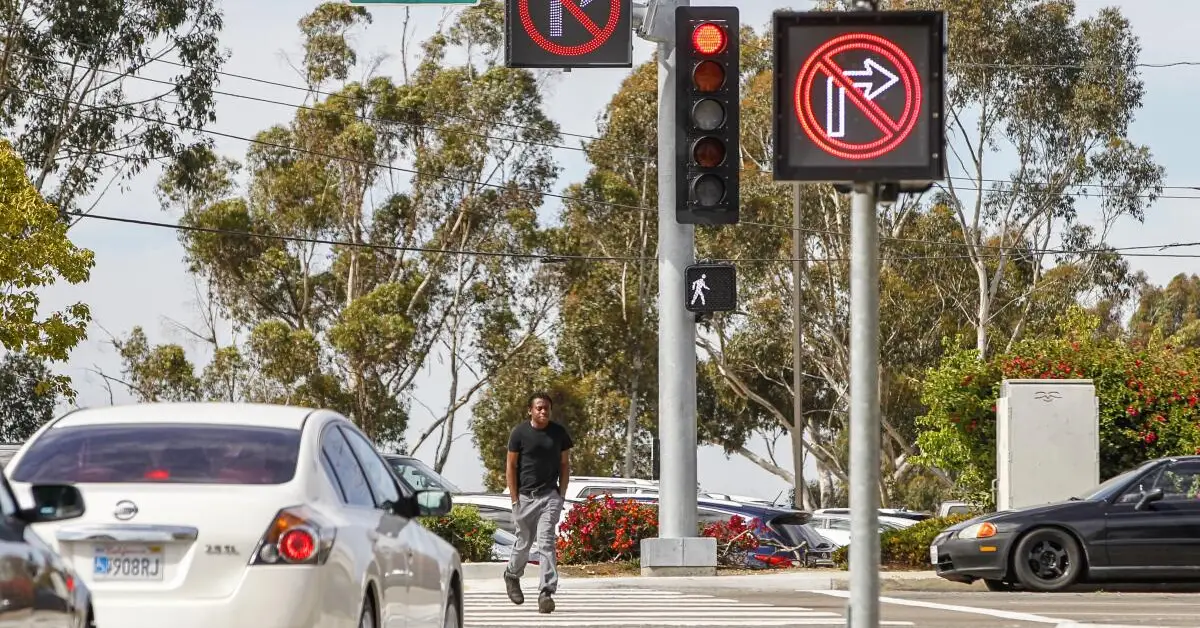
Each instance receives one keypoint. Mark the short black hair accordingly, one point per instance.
(540, 395)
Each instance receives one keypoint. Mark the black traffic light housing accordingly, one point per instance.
(707, 122)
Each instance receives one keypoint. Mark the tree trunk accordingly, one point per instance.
(634, 409)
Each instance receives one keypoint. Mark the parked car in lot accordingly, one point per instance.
(836, 527)
(895, 515)
(240, 515)
(1137, 526)
(785, 536)
(419, 475)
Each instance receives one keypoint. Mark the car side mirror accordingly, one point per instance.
(53, 502)
(433, 503)
(1148, 498)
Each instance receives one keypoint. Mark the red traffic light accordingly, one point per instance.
(709, 39)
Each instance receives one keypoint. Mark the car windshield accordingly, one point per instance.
(1111, 486)
(420, 476)
(161, 453)
(803, 532)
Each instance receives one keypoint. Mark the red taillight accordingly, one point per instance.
(297, 545)
(158, 474)
(296, 536)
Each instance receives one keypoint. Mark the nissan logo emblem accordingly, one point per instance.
(125, 510)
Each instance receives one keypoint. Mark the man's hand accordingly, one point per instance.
(564, 474)
(510, 476)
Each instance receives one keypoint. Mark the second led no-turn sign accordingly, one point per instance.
(568, 33)
(858, 96)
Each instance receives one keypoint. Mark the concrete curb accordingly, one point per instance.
(483, 571)
(487, 575)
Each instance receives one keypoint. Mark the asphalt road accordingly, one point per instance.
(1099, 608)
(629, 607)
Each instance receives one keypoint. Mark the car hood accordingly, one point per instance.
(1053, 508)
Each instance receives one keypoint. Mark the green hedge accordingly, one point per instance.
(465, 529)
(907, 548)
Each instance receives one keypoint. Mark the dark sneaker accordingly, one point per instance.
(545, 603)
(512, 584)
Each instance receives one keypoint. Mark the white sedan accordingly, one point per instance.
(241, 515)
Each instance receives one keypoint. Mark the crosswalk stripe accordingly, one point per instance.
(613, 608)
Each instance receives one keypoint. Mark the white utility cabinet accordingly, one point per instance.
(1047, 441)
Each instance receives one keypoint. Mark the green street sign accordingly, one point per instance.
(457, 3)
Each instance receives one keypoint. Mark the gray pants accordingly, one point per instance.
(536, 519)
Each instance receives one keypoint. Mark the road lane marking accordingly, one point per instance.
(989, 612)
(614, 608)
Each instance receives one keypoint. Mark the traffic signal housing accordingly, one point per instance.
(707, 99)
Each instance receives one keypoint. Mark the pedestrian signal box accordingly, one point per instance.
(711, 287)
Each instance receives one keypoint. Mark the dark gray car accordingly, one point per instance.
(38, 588)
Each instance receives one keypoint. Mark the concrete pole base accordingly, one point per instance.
(687, 557)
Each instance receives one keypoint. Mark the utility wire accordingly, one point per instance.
(552, 257)
(647, 158)
(343, 243)
(572, 198)
(311, 90)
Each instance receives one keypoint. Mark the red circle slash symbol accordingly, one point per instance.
(841, 84)
(599, 35)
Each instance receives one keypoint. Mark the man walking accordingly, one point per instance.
(537, 471)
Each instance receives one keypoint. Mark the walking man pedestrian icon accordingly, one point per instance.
(698, 288)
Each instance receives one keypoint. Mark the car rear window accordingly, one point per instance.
(161, 453)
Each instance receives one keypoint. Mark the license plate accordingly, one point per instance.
(933, 554)
(127, 562)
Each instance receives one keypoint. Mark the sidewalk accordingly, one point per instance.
(487, 576)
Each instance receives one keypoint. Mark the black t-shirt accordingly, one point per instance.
(539, 455)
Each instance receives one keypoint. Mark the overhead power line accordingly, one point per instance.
(647, 158)
(550, 257)
(419, 173)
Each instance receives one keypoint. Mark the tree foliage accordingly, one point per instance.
(1148, 396)
(340, 281)
(75, 97)
(36, 253)
(29, 396)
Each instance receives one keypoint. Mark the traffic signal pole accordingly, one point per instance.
(676, 326)
(677, 550)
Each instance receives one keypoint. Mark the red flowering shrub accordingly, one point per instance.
(1148, 401)
(735, 539)
(602, 530)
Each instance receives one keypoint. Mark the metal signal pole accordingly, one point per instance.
(677, 550)
(676, 326)
(864, 399)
